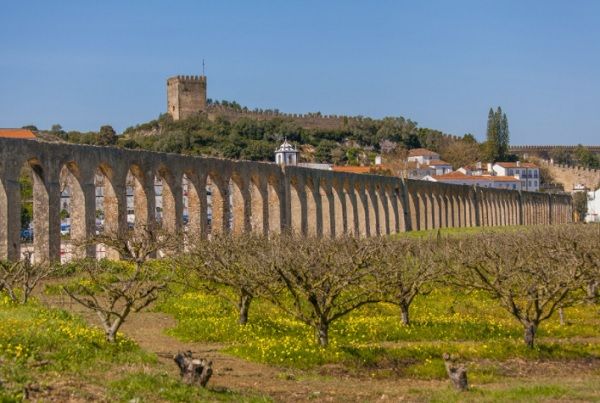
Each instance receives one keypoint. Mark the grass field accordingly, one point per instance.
(373, 341)
(49, 354)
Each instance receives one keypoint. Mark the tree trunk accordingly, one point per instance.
(456, 373)
(530, 330)
(193, 371)
(405, 316)
(244, 307)
(322, 334)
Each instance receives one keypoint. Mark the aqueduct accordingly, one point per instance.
(245, 196)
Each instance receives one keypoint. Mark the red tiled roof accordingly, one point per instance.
(418, 152)
(514, 165)
(17, 134)
(456, 175)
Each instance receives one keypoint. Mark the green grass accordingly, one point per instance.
(471, 326)
(40, 347)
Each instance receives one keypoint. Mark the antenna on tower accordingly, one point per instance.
(202, 66)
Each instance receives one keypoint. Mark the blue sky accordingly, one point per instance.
(441, 63)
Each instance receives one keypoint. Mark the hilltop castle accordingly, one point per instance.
(186, 96)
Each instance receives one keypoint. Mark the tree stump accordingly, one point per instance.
(193, 371)
(457, 373)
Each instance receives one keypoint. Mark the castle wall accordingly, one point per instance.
(244, 196)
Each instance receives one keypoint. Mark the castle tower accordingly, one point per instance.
(186, 96)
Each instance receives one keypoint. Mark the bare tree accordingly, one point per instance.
(405, 269)
(523, 271)
(112, 289)
(19, 279)
(231, 261)
(325, 279)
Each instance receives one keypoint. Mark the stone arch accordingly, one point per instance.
(351, 222)
(140, 198)
(274, 206)
(339, 210)
(297, 207)
(81, 209)
(259, 210)
(168, 186)
(326, 197)
(46, 210)
(313, 208)
(194, 211)
(217, 202)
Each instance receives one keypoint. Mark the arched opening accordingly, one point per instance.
(259, 212)
(326, 198)
(274, 207)
(168, 196)
(239, 207)
(139, 211)
(351, 224)
(77, 219)
(386, 224)
(297, 210)
(27, 231)
(311, 208)
(40, 214)
(339, 210)
(361, 212)
(194, 211)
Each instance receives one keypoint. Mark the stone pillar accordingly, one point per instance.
(423, 211)
(443, 211)
(372, 212)
(298, 209)
(407, 205)
(435, 211)
(10, 216)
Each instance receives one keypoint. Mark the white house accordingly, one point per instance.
(423, 162)
(486, 181)
(593, 205)
(528, 173)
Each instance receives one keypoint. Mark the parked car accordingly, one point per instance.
(65, 229)
(27, 234)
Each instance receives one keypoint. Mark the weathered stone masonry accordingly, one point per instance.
(246, 196)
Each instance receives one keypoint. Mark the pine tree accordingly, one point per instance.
(496, 146)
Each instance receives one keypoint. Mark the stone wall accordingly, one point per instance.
(544, 151)
(569, 176)
(245, 196)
